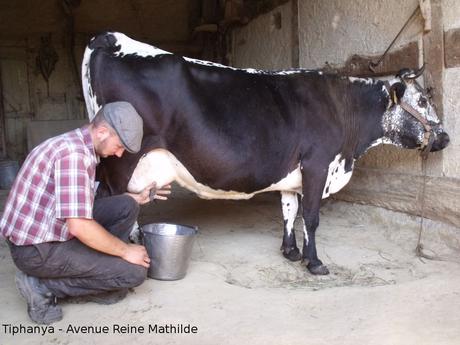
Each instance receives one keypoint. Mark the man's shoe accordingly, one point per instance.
(41, 303)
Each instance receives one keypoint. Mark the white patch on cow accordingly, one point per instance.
(378, 142)
(251, 70)
(412, 96)
(129, 46)
(292, 182)
(162, 167)
(392, 124)
(294, 71)
(337, 177)
(90, 98)
(305, 233)
(214, 64)
(385, 91)
(290, 206)
(367, 81)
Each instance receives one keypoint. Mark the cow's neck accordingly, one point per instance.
(366, 105)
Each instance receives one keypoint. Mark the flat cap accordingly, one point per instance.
(125, 120)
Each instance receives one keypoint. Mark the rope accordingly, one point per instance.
(373, 65)
(419, 248)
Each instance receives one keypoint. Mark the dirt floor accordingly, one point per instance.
(240, 290)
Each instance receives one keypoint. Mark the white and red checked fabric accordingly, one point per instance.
(55, 182)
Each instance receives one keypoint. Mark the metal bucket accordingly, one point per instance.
(8, 171)
(169, 247)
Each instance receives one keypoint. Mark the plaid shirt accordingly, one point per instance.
(55, 182)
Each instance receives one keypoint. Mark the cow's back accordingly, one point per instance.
(231, 129)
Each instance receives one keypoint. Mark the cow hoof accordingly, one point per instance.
(320, 270)
(293, 255)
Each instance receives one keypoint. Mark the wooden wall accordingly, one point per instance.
(23, 24)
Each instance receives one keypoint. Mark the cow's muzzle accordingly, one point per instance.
(440, 142)
(432, 140)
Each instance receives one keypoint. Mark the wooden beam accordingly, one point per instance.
(433, 51)
(358, 65)
(452, 48)
(433, 57)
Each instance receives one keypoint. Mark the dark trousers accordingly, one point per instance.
(73, 269)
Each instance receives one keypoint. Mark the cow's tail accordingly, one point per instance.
(90, 98)
(105, 41)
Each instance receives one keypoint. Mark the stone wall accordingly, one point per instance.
(329, 33)
(451, 161)
(265, 43)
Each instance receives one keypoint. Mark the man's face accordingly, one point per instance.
(110, 145)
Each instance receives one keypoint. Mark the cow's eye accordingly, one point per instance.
(422, 102)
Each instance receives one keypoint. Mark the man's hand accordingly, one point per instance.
(160, 194)
(137, 255)
(150, 193)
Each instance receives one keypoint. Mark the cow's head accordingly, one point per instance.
(411, 120)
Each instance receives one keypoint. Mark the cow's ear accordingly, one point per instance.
(397, 92)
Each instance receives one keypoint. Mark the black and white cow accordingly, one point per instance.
(227, 133)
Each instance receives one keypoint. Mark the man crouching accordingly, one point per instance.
(64, 242)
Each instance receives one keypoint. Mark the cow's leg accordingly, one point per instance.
(313, 181)
(290, 205)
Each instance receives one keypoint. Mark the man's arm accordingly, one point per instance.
(91, 233)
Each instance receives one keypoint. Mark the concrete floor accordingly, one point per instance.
(240, 290)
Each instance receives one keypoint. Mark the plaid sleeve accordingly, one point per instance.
(73, 187)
